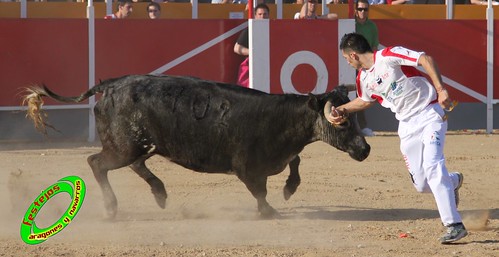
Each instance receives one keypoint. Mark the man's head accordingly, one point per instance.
(362, 10)
(154, 10)
(352, 45)
(312, 4)
(262, 11)
(124, 8)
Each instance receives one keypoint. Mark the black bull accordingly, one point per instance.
(208, 127)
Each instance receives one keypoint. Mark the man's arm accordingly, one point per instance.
(329, 16)
(433, 72)
(339, 113)
(241, 50)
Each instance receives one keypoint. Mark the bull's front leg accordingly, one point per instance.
(293, 180)
(258, 188)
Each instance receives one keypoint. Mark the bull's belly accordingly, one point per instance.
(205, 165)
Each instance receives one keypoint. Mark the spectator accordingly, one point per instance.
(395, 2)
(308, 12)
(373, 2)
(124, 8)
(241, 47)
(337, 2)
(154, 10)
(365, 26)
(368, 29)
(483, 2)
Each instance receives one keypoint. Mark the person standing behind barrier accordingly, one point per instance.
(368, 29)
(241, 47)
(365, 26)
(390, 77)
(308, 9)
(373, 2)
(154, 10)
(124, 9)
(483, 2)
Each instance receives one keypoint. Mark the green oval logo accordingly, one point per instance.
(30, 233)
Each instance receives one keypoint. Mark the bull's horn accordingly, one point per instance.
(327, 111)
(327, 108)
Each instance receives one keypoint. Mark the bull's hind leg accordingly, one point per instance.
(293, 180)
(101, 163)
(157, 186)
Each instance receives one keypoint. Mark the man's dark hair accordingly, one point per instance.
(153, 4)
(355, 42)
(123, 3)
(262, 6)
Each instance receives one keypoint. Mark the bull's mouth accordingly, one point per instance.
(360, 154)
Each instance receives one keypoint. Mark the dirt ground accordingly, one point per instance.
(342, 207)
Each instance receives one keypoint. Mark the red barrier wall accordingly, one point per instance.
(458, 46)
(288, 37)
(54, 52)
(142, 46)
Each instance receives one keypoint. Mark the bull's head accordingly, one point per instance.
(346, 136)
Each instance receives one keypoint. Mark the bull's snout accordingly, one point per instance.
(360, 149)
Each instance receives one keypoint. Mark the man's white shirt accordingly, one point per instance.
(395, 82)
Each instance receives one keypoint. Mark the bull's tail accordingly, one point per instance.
(33, 98)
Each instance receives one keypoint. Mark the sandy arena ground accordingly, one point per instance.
(342, 207)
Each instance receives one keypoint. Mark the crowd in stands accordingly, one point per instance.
(371, 2)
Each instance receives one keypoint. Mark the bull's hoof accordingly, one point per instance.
(159, 192)
(110, 214)
(160, 200)
(269, 213)
(288, 193)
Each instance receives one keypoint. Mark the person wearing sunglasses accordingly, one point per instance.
(154, 10)
(368, 29)
(365, 26)
(390, 77)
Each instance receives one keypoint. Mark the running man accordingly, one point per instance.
(389, 77)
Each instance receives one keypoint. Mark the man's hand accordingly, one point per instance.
(443, 98)
(337, 116)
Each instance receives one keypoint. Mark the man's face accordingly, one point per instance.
(261, 13)
(352, 58)
(153, 12)
(311, 6)
(362, 11)
(126, 9)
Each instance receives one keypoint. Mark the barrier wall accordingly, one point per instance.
(55, 52)
(222, 11)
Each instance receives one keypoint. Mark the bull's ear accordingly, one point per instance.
(313, 102)
(343, 90)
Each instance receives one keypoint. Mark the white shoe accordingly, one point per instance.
(367, 132)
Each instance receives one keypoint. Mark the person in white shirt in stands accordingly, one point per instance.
(308, 12)
(124, 9)
(389, 76)
(483, 2)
